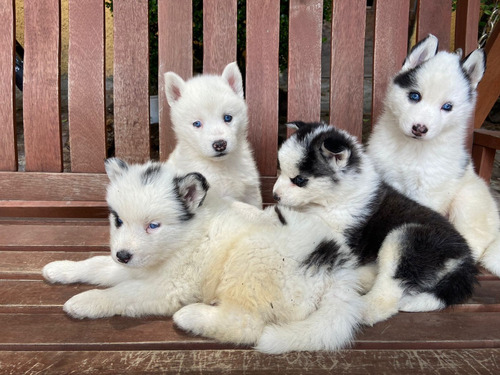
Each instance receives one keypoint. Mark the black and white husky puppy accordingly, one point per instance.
(423, 263)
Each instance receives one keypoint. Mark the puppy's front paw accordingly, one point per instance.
(62, 271)
(377, 309)
(194, 318)
(91, 304)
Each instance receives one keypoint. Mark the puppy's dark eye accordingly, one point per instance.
(299, 181)
(228, 118)
(197, 124)
(447, 107)
(414, 96)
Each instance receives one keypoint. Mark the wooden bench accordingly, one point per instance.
(52, 209)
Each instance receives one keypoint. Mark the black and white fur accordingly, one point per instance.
(423, 263)
(277, 279)
(418, 144)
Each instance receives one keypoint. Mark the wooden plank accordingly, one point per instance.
(27, 264)
(131, 80)
(41, 88)
(219, 34)
(390, 47)
(262, 82)
(175, 52)
(8, 143)
(434, 17)
(347, 65)
(467, 25)
(86, 86)
(231, 361)
(304, 60)
(488, 89)
(54, 209)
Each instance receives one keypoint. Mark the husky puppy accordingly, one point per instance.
(418, 144)
(423, 262)
(277, 279)
(209, 117)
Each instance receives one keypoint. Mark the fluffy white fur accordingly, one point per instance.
(434, 168)
(199, 108)
(227, 270)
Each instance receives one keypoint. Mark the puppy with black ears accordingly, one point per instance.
(422, 262)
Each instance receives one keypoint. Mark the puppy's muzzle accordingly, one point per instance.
(123, 256)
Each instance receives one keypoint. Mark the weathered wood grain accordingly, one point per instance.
(347, 65)
(262, 82)
(434, 17)
(131, 80)
(175, 53)
(86, 87)
(41, 87)
(467, 25)
(8, 144)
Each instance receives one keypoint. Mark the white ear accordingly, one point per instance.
(336, 154)
(421, 52)
(232, 75)
(192, 190)
(174, 85)
(292, 125)
(475, 65)
(115, 168)
(459, 52)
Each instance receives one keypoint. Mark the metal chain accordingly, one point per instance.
(490, 25)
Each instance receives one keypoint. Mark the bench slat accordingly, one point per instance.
(347, 65)
(390, 47)
(175, 53)
(131, 70)
(262, 82)
(467, 25)
(41, 88)
(219, 34)
(86, 87)
(8, 146)
(434, 17)
(416, 362)
(304, 60)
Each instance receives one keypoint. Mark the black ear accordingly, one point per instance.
(336, 152)
(295, 125)
(192, 189)
(115, 168)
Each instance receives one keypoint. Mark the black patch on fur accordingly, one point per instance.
(151, 173)
(314, 162)
(326, 254)
(118, 223)
(407, 79)
(123, 165)
(280, 215)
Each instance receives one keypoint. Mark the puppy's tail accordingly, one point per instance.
(331, 327)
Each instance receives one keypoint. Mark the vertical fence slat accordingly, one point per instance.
(131, 75)
(219, 34)
(86, 86)
(304, 60)
(8, 147)
(434, 17)
(466, 25)
(347, 65)
(262, 81)
(389, 47)
(175, 52)
(41, 89)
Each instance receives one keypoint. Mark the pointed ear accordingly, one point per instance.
(192, 189)
(232, 75)
(459, 52)
(421, 52)
(174, 85)
(337, 153)
(295, 125)
(115, 168)
(474, 66)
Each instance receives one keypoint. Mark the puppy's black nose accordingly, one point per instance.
(124, 256)
(276, 197)
(419, 130)
(219, 145)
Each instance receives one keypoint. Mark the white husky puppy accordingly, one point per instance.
(277, 279)
(418, 144)
(423, 263)
(209, 117)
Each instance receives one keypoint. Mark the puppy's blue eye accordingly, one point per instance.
(118, 222)
(414, 96)
(299, 181)
(153, 225)
(197, 124)
(228, 118)
(447, 107)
